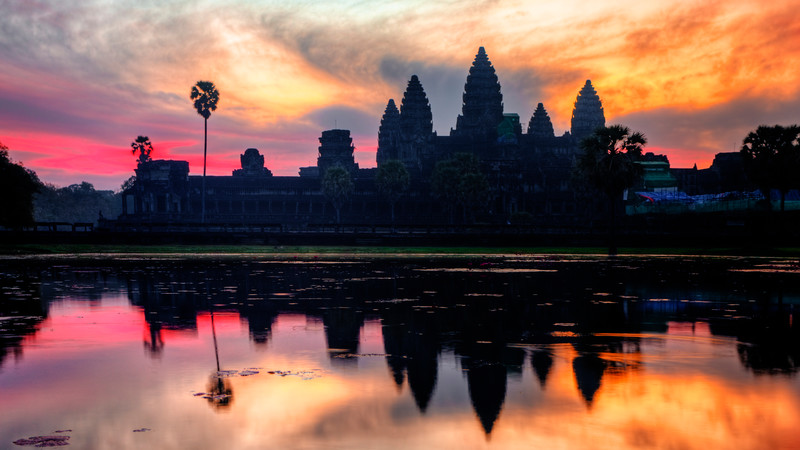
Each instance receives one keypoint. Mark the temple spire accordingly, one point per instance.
(389, 134)
(482, 108)
(540, 125)
(416, 126)
(415, 111)
(587, 115)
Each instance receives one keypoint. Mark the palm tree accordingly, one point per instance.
(392, 180)
(772, 158)
(337, 187)
(206, 97)
(609, 163)
(142, 145)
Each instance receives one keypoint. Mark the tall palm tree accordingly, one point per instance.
(206, 97)
(609, 163)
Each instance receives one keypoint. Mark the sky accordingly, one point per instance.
(81, 80)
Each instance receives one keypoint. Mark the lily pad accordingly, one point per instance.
(43, 441)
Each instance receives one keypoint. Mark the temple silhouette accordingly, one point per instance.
(529, 172)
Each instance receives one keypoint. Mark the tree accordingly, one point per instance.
(771, 156)
(128, 184)
(337, 187)
(458, 181)
(392, 181)
(206, 97)
(609, 163)
(142, 145)
(17, 187)
(75, 203)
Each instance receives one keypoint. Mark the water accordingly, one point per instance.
(424, 352)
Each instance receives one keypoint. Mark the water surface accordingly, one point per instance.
(425, 352)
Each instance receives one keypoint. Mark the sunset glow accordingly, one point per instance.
(80, 82)
(641, 401)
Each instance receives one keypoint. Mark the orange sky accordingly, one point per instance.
(79, 83)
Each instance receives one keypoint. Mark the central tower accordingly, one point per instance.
(587, 115)
(482, 108)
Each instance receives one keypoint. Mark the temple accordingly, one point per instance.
(588, 113)
(529, 174)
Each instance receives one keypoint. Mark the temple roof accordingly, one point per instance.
(388, 134)
(587, 115)
(482, 108)
(416, 118)
(540, 125)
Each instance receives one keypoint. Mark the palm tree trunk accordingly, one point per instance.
(205, 151)
(214, 334)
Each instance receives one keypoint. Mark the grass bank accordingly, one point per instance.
(84, 249)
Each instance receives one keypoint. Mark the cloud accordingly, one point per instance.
(443, 85)
(83, 78)
(719, 128)
(345, 118)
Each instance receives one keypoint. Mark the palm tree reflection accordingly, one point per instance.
(220, 393)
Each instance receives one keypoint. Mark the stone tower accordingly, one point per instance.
(540, 126)
(336, 148)
(482, 109)
(252, 165)
(587, 115)
(416, 125)
(389, 135)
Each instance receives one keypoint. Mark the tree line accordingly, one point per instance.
(25, 199)
(770, 154)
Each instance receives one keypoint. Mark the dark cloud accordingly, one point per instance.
(344, 118)
(720, 128)
(338, 48)
(443, 85)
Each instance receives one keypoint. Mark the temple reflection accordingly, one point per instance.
(542, 361)
(570, 331)
(588, 369)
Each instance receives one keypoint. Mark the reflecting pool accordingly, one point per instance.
(188, 351)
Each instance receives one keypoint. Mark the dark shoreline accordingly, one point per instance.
(18, 243)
